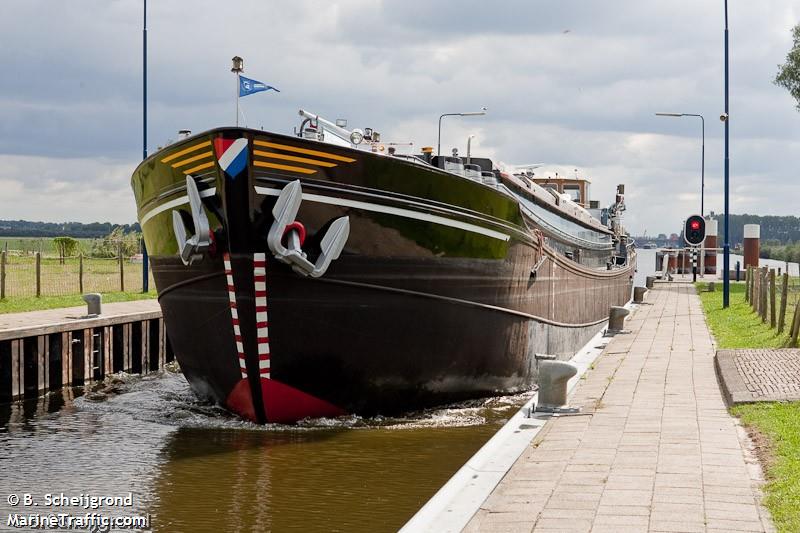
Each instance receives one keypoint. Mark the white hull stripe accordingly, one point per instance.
(237, 332)
(398, 211)
(262, 324)
(175, 203)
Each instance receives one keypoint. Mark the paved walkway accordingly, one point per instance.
(10, 322)
(655, 448)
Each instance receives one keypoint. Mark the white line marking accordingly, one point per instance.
(407, 213)
(175, 203)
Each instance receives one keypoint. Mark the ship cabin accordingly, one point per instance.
(577, 188)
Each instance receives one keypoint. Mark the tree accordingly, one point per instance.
(66, 246)
(788, 75)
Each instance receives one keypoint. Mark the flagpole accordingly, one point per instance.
(237, 68)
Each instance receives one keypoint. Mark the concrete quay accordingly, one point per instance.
(654, 448)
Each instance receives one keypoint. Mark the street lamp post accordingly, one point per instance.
(702, 153)
(726, 246)
(145, 257)
(465, 114)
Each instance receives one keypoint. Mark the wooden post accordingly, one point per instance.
(3, 273)
(757, 293)
(38, 257)
(764, 288)
(795, 324)
(772, 318)
(66, 359)
(108, 351)
(121, 268)
(145, 346)
(162, 345)
(43, 363)
(127, 359)
(747, 284)
(17, 369)
(80, 273)
(784, 296)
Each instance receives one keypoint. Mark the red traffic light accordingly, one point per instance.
(695, 230)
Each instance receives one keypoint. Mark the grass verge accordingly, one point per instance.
(778, 424)
(738, 326)
(31, 303)
(774, 426)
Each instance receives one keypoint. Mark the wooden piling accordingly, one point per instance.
(772, 314)
(88, 374)
(747, 284)
(17, 369)
(80, 273)
(795, 325)
(784, 297)
(764, 291)
(43, 364)
(145, 344)
(66, 358)
(121, 268)
(108, 344)
(162, 345)
(38, 258)
(2, 274)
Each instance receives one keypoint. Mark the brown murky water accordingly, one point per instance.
(194, 468)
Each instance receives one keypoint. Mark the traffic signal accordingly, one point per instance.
(695, 231)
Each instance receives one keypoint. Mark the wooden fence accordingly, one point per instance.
(771, 303)
(38, 275)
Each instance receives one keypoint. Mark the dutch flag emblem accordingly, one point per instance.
(232, 155)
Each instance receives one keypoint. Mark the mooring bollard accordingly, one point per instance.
(94, 303)
(638, 294)
(616, 318)
(649, 282)
(553, 378)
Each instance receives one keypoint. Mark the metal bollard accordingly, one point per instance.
(649, 282)
(94, 303)
(711, 287)
(616, 318)
(638, 294)
(553, 378)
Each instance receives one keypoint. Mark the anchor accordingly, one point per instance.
(191, 249)
(285, 211)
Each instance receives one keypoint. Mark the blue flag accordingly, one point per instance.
(248, 86)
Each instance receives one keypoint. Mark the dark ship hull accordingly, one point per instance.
(444, 289)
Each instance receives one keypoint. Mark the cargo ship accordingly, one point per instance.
(323, 273)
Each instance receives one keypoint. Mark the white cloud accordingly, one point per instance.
(581, 99)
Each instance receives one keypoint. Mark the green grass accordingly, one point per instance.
(22, 304)
(778, 423)
(738, 326)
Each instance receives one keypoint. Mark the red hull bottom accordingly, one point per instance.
(283, 404)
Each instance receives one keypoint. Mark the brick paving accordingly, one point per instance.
(760, 375)
(654, 448)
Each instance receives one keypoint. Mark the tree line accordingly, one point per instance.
(79, 230)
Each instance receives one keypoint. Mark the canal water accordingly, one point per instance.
(194, 468)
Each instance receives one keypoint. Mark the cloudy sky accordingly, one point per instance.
(570, 83)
